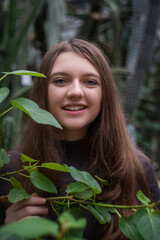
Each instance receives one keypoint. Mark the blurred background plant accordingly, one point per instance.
(128, 31)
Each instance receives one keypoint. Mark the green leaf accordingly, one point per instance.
(40, 181)
(76, 187)
(31, 228)
(4, 92)
(25, 158)
(35, 112)
(4, 159)
(10, 236)
(15, 183)
(86, 178)
(129, 228)
(111, 210)
(97, 214)
(104, 212)
(55, 166)
(30, 168)
(142, 198)
(77, 212)
(17, 194)
(88, 193)
(26, 72)
(69, 222)
(148, 223)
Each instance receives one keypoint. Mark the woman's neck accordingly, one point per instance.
(72, 135)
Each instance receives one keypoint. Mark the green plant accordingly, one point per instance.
(142, 225)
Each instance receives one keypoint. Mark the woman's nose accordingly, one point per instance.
(75, 90)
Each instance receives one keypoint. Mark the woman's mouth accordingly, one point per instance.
(74, 108)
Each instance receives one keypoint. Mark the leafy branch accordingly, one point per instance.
(83, 181)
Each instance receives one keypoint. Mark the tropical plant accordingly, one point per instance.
(142, 225)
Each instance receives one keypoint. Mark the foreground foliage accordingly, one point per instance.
(80, 194)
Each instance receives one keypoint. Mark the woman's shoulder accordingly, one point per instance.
(146, 163)
(150, 175)
(14, 156)
(143, 158)
(12, 166)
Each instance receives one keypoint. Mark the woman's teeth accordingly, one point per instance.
(74, 108)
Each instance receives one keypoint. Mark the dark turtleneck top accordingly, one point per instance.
(74, 156)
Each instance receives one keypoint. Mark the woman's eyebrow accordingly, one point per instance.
(92, 75)
(59, 73)
(67, 74)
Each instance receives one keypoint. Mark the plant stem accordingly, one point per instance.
(83, 206)
(4, 178)
(101, 204)
(6, 111)
(53, 208)
(24, 175)
(21, 170)
(10, 173)
(3, 76)
(59, 198)
(118, 213)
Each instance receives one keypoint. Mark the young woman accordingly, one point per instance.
(81, 94)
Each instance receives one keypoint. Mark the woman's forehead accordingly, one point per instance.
(69, 60)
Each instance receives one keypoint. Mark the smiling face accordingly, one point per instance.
(74, 94)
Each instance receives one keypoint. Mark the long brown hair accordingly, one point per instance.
(111, 155)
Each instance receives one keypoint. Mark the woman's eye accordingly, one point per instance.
(59, 81)
(91, 83)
